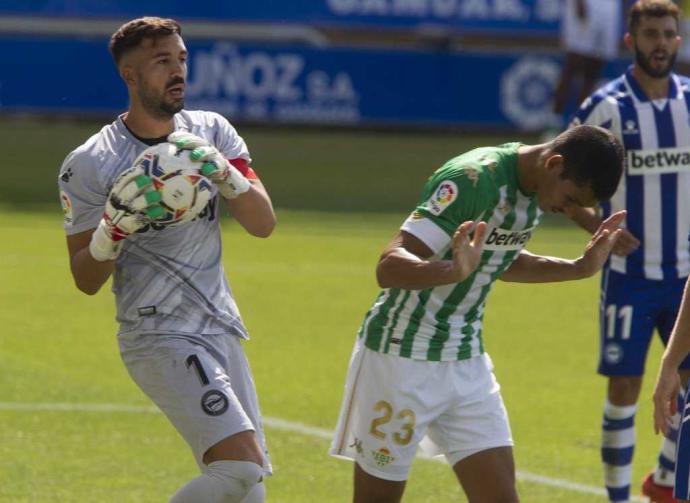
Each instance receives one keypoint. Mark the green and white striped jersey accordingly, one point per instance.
(445, 323)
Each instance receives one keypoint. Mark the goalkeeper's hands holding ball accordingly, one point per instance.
(248, 201)
(229, 181)
(131, 204)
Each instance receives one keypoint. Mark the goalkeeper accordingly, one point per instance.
(180, 329)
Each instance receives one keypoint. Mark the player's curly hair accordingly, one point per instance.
(132, 33)
(651, 8)
(592, 157)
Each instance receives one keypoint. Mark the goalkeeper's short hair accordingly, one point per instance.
(133, 32)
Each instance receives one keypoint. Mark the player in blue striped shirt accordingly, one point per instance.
(647, 108)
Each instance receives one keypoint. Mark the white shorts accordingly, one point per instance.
(598, 35)
(392, 403)
(204, 386)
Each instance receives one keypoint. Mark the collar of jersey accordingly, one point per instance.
(673, 91)
(146, 141)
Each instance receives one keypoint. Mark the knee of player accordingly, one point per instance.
(236, 478)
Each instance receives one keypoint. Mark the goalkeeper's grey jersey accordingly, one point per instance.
(168, 280)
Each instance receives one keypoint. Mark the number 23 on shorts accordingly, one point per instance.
(385, 415)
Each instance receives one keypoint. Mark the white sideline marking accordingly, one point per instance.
(282, 424)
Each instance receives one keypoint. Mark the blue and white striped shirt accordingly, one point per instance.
(655, 188)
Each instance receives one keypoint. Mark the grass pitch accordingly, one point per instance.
(302, 293)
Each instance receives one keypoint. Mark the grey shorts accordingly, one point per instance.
(202, 384)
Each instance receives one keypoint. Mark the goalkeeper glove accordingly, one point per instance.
(131, 204)
(229, 181)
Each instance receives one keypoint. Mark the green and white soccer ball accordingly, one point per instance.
(184, 191)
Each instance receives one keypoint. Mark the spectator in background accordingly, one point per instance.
(589, 37)
(683, 63)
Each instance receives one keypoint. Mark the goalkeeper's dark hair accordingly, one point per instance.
(651, 8)
(132, 33)
(592, 157)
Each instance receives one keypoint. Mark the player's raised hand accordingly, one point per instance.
(665, 398)
(467, 252)
(599, 247)
(625, 244)
(132, 203)
(230, 182)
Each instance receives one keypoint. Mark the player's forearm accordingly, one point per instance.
(401, 269)
(90, 274)
(529, 268)
(679, 343)
(254, 211)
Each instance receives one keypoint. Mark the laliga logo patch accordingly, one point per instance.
(526, 91)
(214, 402)
(445, 194)
(66, 203)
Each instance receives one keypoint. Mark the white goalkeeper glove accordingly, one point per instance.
(131, 204)
(227, 178)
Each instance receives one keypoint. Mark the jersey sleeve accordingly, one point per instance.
(447, 200)
(597, 110)
(82, 194)
(233, 147)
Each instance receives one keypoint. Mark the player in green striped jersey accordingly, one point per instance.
(419, 367)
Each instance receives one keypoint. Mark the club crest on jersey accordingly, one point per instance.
(444, 195)
(382, 456)
(214, 402)
(66, 203)
(504, 207)
(630, 127)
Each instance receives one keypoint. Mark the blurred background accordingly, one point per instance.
(344, 80)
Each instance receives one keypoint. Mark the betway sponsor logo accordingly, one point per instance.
(507, 240)
(658, 161)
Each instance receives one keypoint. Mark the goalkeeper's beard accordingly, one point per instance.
(157, 106)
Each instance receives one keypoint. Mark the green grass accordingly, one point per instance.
(302, 293)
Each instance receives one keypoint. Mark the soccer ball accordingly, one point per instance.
(184, 191)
